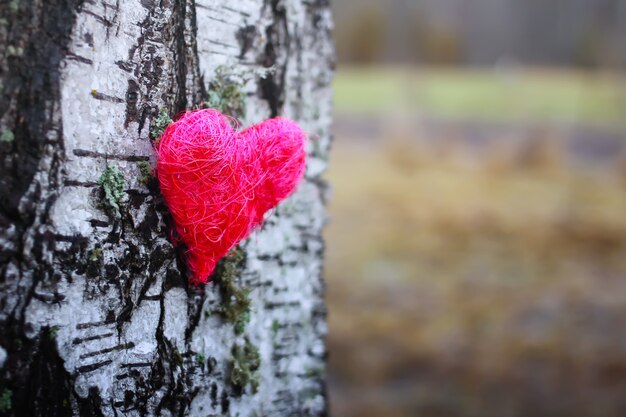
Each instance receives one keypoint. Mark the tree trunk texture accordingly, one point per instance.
(97, 318)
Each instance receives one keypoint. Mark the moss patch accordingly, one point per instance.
(95, 254)
(53, 331)
(7, 136)
(159, 124)
(113, 185)
(235, 306)
(147, 172)
(244, 367)
(6, 400)
(225, 94)
(177, 358)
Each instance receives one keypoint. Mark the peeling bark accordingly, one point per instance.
(96, 315)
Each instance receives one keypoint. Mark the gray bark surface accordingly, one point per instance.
(96, 316)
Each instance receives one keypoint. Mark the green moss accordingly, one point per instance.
(95, 254)
(177, 358)
(53, 331)
(6, 400)
(225, 94)
(14, 6)
(14, 51)
(308, 394)
(200, 358)
(113, 184)
(160, 124)
(7, 136)
(147, 173)
(235, 308)
(244, 366)
(314, 372)
(235, 301)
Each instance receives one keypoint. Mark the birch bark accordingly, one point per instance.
(96, 315)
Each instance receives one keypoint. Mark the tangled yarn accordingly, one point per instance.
(218, 183)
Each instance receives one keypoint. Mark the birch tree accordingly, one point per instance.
(97, 317)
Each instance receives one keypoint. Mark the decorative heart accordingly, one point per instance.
(218, 183)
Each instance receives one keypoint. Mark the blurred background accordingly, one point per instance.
(476, 254)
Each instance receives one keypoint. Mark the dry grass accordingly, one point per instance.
(475, 287)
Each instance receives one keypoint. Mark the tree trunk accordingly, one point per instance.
(97, 318)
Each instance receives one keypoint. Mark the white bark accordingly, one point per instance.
(110, 294)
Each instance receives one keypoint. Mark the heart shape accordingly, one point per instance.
(218, 183)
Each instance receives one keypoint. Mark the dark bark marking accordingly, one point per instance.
(245, 37)
(71, 239)
(91, 406)
(99, 223)
(203, 6)
(49, 298)
(156, 297)
(88, 37)
(74, 183)
(217, 19)
(225, 45)
(108, 321)
(101, 19)
(214, 52)
(105, 97)
(136, 365)
(273, 305)
(78, 58)
(124, 66)
(123, 346)
(43, 388)
(182, 52)
(81, 340)
(277, 36)
(225, 402)
(90, 368)
(115, 157)
(300, 70)
(132, 97)
(111, 6)
(230, 9)
(289, 325)
(198, 92)
(51, 383)
(213, 395)
(195, 301)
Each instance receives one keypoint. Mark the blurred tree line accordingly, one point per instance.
(584, 33)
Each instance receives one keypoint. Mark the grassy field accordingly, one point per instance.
(491, 286)
(516, 96)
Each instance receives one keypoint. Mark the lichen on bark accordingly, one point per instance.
(113, 186)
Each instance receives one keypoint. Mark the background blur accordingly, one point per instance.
(476, 255)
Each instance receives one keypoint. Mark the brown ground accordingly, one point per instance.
(475, 285)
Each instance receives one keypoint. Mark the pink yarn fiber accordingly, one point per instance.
(218, 183)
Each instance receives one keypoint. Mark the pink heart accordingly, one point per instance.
(218, 183)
